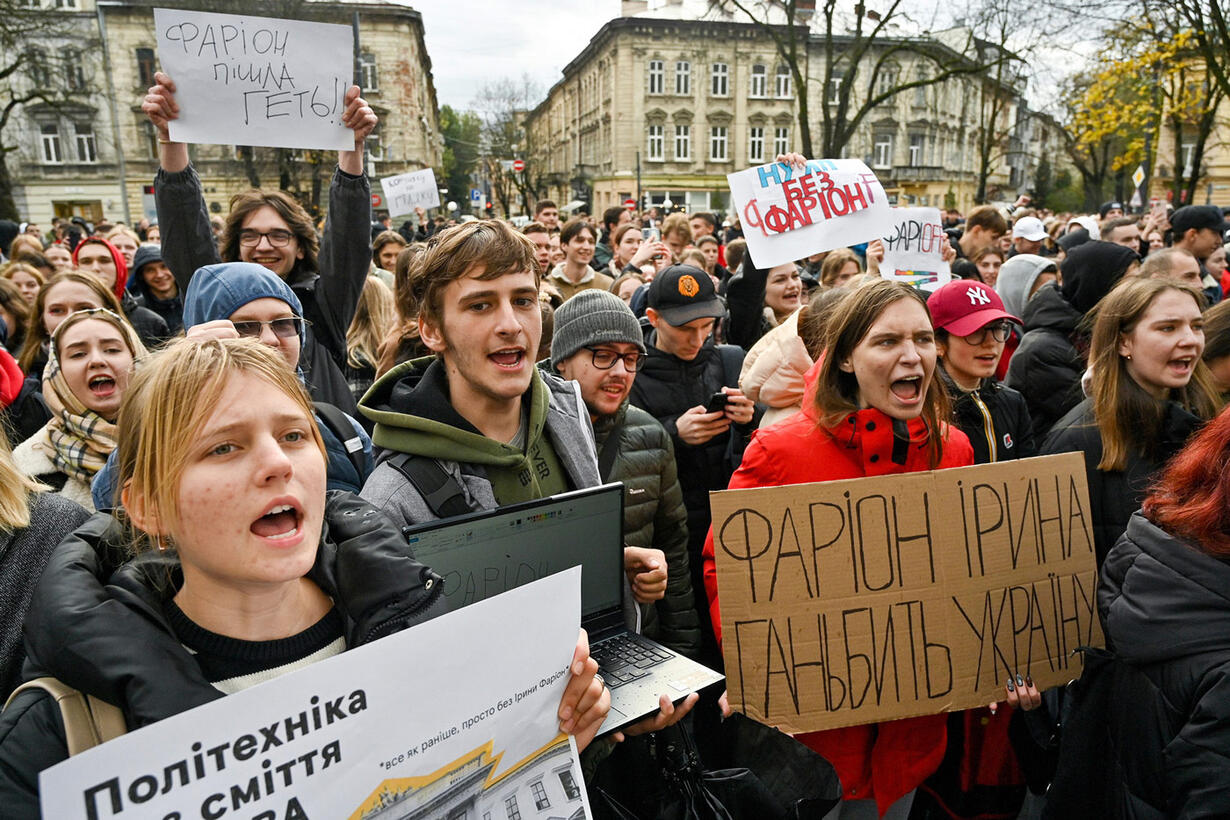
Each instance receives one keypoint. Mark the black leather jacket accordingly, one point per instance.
(99, 626)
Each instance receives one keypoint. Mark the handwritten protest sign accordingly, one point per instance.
(458, 711)
(256, 80)
(790, 214)
(405, 192)
(914, 248)
(850, 602)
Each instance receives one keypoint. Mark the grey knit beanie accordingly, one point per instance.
(593, 317)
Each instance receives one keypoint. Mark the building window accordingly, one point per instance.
(87, 149)
(683, 142)
(66, 4)
(887, 79)
(74, 74)
(833, 93)
(781, 82)
(755, 144)
(39, 74)
(781, 140)
(367, 72)
(570, 785)
(145, 66)
(717, 144)
(917, 146)
(458, 813)
(883, 155)
(540, 796)
(683, 78)
(372, 151)
(759, 81)
(920, 92)
(654, 148)
(51, 144)
(1189, 158)
(720, 85)
(510, 806)
(151, 138)
(655, 77)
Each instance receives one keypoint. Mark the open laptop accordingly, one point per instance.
(486, 553)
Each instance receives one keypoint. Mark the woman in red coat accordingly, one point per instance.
(874, 408)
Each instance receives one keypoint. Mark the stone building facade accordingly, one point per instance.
(700, 98)
(69, 160)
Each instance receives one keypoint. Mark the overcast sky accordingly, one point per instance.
(473, 41)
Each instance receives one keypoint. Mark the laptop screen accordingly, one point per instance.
(489, 553)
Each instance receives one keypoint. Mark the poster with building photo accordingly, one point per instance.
(453, 717)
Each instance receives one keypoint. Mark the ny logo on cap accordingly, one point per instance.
(976, 296)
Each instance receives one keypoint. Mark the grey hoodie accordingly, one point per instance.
(1017, 277)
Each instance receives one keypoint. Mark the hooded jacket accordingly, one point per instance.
(773, 371)
(1046, 367)
(101, 628)
(410, 407)
(150, 327)
(329, 296)
(1016, 280)
(1115, 495)
(654, 516)
(883, 761)
(1165, 608)
(171, 310)
(1091, 270)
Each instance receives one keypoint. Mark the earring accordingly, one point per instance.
(1128, 357)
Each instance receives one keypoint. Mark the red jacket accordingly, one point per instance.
(884, 761)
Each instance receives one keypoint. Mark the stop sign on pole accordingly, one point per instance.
(377, 200)
(630, 204)
(518, 165)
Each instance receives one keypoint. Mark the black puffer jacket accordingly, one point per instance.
(113, 641)
(995, 419)
(150, 327)
(654, 516)
(1114, 496)
(1165, 608)
(1046, 367)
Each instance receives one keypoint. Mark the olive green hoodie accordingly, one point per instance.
(411, 409)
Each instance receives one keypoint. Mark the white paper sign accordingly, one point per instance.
(914, 248)
(458, 711)
(405, 192)
(256, 80)
(788, 214)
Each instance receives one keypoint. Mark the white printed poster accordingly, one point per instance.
(790, 214)
(914, 248)
(456, 714)
(405, 192)
(256, 80)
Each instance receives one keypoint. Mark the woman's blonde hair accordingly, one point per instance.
(372, 321)
(12, 268)
(36, 331)
(168, 403)
(837, 390)
(123, 230)
(1128, 418)
(15, 491)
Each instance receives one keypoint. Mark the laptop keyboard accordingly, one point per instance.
(624, 658)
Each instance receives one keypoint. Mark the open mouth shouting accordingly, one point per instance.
(907, 390)
(281, 522)
(102, 385)
(509, 358)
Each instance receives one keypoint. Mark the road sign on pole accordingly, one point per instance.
(630, 204)
(1138, 176)
(476, 196)
(518, 165)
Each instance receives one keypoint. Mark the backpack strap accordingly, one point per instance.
(339, 424)
(441, 492)
(88, 721)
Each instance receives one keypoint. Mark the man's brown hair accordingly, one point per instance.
(574, 227)
(292, 213)
(451, 253)
(989, 218)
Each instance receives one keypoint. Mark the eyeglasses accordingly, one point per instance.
(999, 331)
(283, 328)
(605, 359)
(277, 238)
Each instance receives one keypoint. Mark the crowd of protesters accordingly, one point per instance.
(179, 397)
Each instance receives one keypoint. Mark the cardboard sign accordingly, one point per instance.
(851, 602)
(256, 80)
(405, 192)
(914, 249)
(457, 711)
(789, 214)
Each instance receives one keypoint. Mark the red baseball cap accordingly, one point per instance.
(965, 305)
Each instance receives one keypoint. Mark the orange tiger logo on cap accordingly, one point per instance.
(688, 286)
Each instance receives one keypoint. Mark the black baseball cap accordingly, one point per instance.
(1198, 216)
(1107, 207)
(683, 293)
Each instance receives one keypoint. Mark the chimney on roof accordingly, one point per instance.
(630, 8)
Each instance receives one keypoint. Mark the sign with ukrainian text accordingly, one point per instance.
(244, 80)
(873, 599)
(456, 713)
(405, 192)
(914, 249)
(790, 213)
